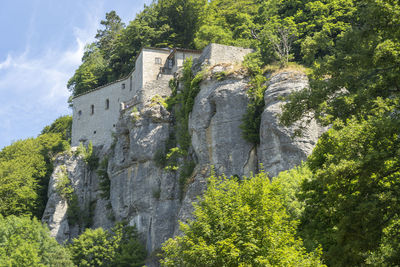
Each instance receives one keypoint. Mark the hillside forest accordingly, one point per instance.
(339, 208)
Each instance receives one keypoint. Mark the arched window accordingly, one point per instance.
(107, 103)
(91, 109)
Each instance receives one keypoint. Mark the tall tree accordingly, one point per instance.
(25, 169)
(355, 164)
(240, 223)
(26, 242)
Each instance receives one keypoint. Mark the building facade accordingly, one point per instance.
(96, 112)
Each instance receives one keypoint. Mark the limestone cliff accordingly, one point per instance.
(149, 196)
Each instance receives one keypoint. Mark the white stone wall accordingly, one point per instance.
(215, 53)
(150, 67)
(143, 83)
(180, 57)
(97, 127)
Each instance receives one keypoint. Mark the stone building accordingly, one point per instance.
(96, 112)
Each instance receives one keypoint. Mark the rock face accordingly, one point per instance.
(150, 197)
(279, 150)
(141, 192)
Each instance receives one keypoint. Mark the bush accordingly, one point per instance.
(90, 158)
(252, 118)
(99, 247)
(26, 242)
(240, 223)
(63, 184)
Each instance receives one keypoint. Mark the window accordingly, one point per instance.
(123, 86)
(107, 103)
(158, 61)
(91, 109)
(130, 83)
(170, 63)
(94, 132)
(80, 113)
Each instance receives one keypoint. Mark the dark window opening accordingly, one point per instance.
(130, 84)
(123, 86)
(80, 112)
(170, 63)
(91, 109)
(107, 103)
(94, 132)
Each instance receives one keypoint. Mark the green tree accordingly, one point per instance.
(26, 242)
(183, 18)
(106, 37)
(25, 169)
(363, 66)
(229, 22)
(239, 223)
(62, 125)
(99, 247)
(354, 195)
(91, 73)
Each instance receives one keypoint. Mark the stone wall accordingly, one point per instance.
(142, 84)
(98, 126)
(215, 54)
(151, 68)
(181, 56)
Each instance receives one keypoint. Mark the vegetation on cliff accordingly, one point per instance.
(242, 223)
(344, 201)
(305, 31)
(25, 169)
(26, 242)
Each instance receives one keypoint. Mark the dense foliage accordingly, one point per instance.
(242, 223)
(351, 202)
(279, 30)
(117, 247)
(25, 169)
(26, 242)
(357, 168)
(62, 125)
(345, 200)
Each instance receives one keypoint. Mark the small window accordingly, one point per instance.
(130, 83)
(80, 113)
(170, 63)
(158, 61)
(107, 103)
(91, 109)
(113, 125)
(94, 132)
(123, 86)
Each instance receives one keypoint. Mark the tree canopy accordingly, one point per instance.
(241, 223)
(26, 242)
(25, 169)
(116, 247)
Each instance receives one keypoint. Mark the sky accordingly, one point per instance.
(41, 45)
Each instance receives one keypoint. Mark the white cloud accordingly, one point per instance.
(33, 88)
(6, 63)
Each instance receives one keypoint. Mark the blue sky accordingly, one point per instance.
(41, 45)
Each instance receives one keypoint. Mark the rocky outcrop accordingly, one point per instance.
(141, 192)
(150, 197)
(55, 214)
(279, 148)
